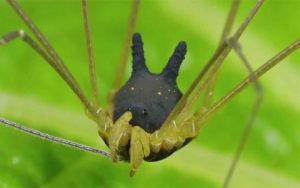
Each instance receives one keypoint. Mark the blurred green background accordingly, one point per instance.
(31, 93)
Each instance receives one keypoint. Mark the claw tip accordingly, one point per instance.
(132, 172)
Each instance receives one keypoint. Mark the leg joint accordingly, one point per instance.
(13, 35)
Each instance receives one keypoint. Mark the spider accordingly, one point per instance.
(158, 132)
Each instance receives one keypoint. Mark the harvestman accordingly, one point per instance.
(131, 127)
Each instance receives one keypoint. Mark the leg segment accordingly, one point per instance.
(28, 40)
(250, 122)
(182, 117)
(119, 135)
(56, 61)
(125, 52)
(200, 120)
(211, 87)
(225, 34)
(195, 90)
(242, 85)
(53, 138)
(91, 62)
(139, 148)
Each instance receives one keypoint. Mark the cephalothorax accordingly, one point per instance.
(149, 118)
(149, 97)
(141, 107)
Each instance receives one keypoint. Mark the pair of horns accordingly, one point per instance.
(170, 72)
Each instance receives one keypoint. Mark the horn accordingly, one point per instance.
(138, 62)
(170, 72)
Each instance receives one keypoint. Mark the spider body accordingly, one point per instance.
(149, 97)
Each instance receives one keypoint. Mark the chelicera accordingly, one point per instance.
(149, 118)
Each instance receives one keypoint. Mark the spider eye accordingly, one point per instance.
(144, 112)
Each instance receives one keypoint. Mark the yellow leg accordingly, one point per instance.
(139, 148)
(119, 135)
(173, 136)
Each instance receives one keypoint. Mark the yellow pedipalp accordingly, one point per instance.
(119, 134)
(173, 136)
(188, 131)
(145, 141)
(142, 144)
(155, 142)
(139, 148)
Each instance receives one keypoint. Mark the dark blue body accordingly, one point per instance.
(150, 97)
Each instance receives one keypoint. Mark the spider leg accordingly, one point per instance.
(28, 40)
(211, 87)
(250, 79)
(91, 59)
(53, 138)
(187, 101)
(225, 34)
(230, 20)
(52, 58)
(139, 148)
(125, 53)
(253, 113)
(181, 123)
(120, 134)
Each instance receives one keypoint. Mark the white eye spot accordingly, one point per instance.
(132, 88)
(159, 93)
(169, 90)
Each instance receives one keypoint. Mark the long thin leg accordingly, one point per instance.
(60, 66)
(211, 87)
(238, 33)
(53, 138)
(203, 116)
(220, 59)
(212, 77)
(250, 122)
(28, 40)
(225, 34)
(89, 43)
(200, 120)
(242, 85)
(125, 51)
(214, 63)
(230, 20)
(158, 143)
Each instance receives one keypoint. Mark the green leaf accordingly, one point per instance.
(31, 93)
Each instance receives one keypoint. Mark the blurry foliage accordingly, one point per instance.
(31, 93)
